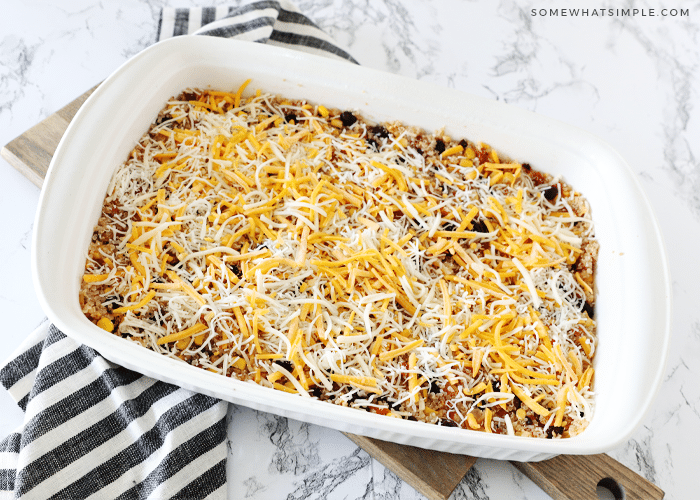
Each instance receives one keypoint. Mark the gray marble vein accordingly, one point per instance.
(675, 58)
(16, 60)
(472, 487)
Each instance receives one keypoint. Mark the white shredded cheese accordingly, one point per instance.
(349, 262)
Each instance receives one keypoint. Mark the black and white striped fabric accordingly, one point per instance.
(95, 430)
(275, 22)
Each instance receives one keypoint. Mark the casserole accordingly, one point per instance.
(633, 304)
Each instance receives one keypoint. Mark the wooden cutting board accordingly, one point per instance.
(434, 474)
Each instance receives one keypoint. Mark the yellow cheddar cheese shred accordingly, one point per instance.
(375, 266)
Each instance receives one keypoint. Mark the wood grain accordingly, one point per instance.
(31, 152)
(568, 477)
(432, 473)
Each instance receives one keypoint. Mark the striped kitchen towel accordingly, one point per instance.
(96, 430)
(275, 22)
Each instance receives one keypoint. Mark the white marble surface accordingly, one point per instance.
(632, 80)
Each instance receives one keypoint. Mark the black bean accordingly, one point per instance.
(478, 226)
(353, 397)
(446, 422)
(290, 117)
(434, 387)
(551, 193)
(316, 392)
(285, 363)
(527, 167)
(347, 118)
(379, 131)
(590, 310)
(439, 145)
(558, 430)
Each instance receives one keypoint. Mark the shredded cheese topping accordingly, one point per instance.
(376, 267)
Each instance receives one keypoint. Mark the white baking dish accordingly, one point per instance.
(633, 306)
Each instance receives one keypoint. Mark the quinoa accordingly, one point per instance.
(373, 266)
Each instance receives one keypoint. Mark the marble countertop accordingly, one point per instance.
(631, 79)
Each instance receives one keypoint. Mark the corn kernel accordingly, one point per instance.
(464, 162)
(105, 324)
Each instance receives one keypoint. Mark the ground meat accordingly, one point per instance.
(91, 303)
(578, 205)
(539, 178)
(442, 399)
(585, 266)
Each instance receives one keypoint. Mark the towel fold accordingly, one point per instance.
(275, 22)
(93, 429)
